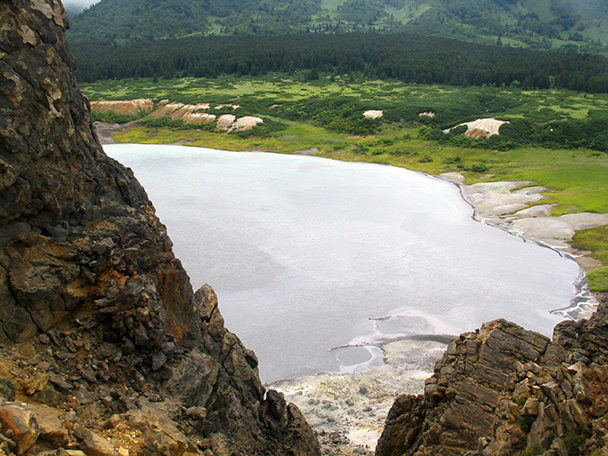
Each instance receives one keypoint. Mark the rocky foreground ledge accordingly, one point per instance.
(503, 390)
(69, 392)
(105, 349)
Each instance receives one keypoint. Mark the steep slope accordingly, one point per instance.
(541, 24)
(100, 330)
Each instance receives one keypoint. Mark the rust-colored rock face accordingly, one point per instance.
(97, 317)
(503, 390)
(74, 224)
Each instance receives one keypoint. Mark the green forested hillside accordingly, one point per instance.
(400, 56)
(570, 25)
(122, 22)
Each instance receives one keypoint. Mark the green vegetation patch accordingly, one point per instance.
(596, 241)
(598, 280)
(573, 442)
(113, 117)
(534, 450)
(580, 188)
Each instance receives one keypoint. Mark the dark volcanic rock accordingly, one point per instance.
(97, 316)
(502, 390)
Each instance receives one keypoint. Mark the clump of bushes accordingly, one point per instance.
(573, 443)
(112, 117)
(480, 168)
(526, 422)
(534, 450)
(452, 160)
(560, 134)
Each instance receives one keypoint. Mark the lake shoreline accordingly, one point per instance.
(348, 410)
(511, 206)
(504, 205)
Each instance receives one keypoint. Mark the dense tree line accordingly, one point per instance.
(405, 57)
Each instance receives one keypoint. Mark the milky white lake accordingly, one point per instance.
(317, 262)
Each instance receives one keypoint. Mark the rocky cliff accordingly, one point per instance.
(503, 390)
(105, 348)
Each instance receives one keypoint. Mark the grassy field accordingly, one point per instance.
(299, 115)
(596, 240)
(449, 102)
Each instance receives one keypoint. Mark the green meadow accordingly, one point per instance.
(557, 139)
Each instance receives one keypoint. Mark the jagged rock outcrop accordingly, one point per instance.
(503, 390)
(105, 348)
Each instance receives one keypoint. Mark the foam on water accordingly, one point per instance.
(583, 304)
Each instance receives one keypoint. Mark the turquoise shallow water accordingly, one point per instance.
(316, 262)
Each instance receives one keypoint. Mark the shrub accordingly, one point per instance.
(452, 160)
(479, 168)
(573, 443)
(464, 141)
(459, 130)
(502, 144)
(431, 134)
(526, 422)
(161, 122)
(112, 117)
(534, 450)
(244, 133)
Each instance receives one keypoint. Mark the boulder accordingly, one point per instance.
(22, 426)
(159, 434)
(50, 426)
(94, 444)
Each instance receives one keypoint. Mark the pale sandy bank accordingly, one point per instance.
(507, 205)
